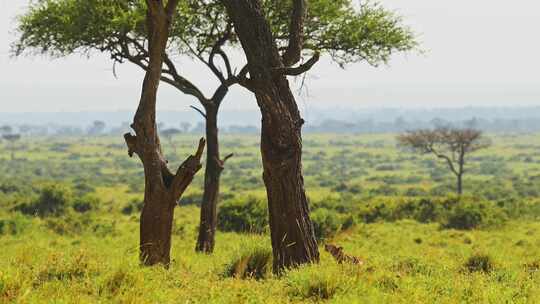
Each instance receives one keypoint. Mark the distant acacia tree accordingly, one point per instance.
(204, 31)
(185, 126)
(96, 128)
(169, 134)
(449, 144)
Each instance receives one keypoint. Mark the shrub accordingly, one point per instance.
(243, 215)
(470, 215)
(479, 263)
(134, 205)
(53, 200)
(256, 264)
(384, 189)
(86, 203)
(326, 223)
(67, 225)
(451, 212)
(14, 225)
(427, 211)
(415, 191)
(82, 187)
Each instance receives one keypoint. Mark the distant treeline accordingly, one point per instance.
(401, 124)
(384, 120)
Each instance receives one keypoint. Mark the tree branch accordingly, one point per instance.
(295, 71)
(185, 173)
(296, 33)
(216, 49)
(198, 110)
(448, 160)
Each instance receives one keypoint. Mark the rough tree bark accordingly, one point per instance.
(293, 240)
(162, 187)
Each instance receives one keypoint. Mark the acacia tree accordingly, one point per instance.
(204, 32)
(449, 144)
(162, 187)
(271, 58)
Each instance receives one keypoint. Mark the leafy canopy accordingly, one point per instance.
(333, 27)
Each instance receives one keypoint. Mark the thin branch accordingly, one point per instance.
(217, 49)
(198, 110)
(448, 160)
(227, 157)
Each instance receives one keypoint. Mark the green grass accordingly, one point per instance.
(93, 257)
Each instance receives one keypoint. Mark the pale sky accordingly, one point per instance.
(477, 53)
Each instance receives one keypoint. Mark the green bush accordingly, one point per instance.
(415, 191)
(13, 226)
(472, 215)
(133, 206)
(86, 203)
(452, 212)
(53, 200)
(243, 215)
(326, 223)
(68, 225)
(479, 263)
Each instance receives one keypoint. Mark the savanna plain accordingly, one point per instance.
(69, 225)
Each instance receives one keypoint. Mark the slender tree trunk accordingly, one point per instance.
(162, 187)
(214, 167)
(293, 239)
(460, 184)
(461, 160)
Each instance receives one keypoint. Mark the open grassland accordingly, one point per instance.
(391, 208)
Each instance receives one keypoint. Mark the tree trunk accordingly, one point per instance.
(293, 239)
(155, 228)
(208, 219)
(162, 187)
(460, 184)
(461, 161)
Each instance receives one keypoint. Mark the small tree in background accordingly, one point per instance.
(169, 134)
(449, 144)
(97, 128)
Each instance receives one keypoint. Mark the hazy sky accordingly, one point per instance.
(481, 52)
